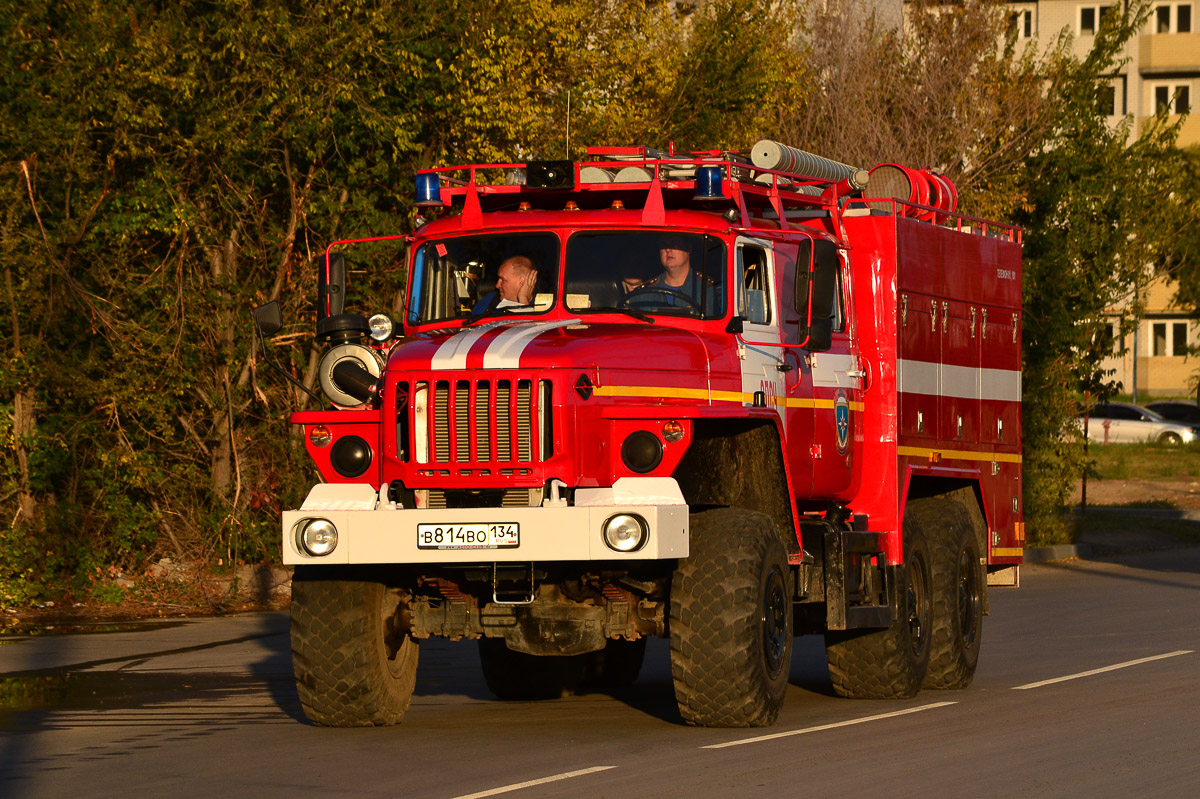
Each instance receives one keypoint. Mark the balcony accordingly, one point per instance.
(1167, 53)
(1189, 134)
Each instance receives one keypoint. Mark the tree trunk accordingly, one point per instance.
(23, 429)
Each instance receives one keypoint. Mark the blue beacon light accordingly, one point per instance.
(708, 184)
(428, 190)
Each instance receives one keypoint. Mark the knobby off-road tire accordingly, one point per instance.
(517, 675)
(731, 621)
(891, 663)
(353, 667)
(958, 586)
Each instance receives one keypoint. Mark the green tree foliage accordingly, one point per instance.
(166, 167)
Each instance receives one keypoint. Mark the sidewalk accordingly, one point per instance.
(1111, 542)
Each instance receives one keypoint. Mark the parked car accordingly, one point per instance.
(1123, 423)
(1180, 411)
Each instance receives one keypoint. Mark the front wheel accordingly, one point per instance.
(354, 664)
(1170, 438)
(731, 621)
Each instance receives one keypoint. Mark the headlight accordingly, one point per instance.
(381, 327)
(317, 537)
(625, 532)
(642, 452)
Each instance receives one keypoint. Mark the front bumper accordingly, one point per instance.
(371, 531)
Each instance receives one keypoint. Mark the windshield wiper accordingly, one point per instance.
(641, 317)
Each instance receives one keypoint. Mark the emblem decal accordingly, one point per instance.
(841, 418)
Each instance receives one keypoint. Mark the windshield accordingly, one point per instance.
(674, 274)
(457, 278)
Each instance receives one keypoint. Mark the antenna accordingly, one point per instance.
(568, 154)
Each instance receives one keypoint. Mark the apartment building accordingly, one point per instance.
(1161, 70)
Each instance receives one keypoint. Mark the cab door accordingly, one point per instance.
(759, 350)
(792, 257)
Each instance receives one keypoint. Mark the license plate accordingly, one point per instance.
(475, 535)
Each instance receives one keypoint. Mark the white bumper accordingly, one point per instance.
(370, 531)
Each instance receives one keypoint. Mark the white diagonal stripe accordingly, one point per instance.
(452, 354)
(505, 350)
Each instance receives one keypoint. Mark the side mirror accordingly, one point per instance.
(816, 293)
(820, 335)
(331, 285)
(268, 319)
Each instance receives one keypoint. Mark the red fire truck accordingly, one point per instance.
(724, 398)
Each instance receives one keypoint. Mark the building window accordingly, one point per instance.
(1087, 21)
(1173, 18)
(1173, 98)
(1107, 104)
(1179, 342)
(1159, 339)
(1020, 24)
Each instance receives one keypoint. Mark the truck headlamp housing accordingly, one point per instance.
(381, 326)
(625, 532)
(641, 452)
(350, 456)
(316, 537)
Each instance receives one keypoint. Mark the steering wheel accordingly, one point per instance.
(687, 299)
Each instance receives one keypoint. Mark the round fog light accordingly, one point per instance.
(625, 532)
(381, 327)
(318, 537)
(350, 456)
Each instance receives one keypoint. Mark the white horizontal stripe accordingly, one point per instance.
(505, 350)
(516, 786)
(966, 382)
(835, 725)
(1124, 665)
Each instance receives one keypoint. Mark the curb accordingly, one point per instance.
(1057, 552)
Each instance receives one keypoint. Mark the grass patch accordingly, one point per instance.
(1143, 461)
(1119, 521)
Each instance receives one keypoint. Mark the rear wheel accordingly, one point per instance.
(616, 667)
(731, 621)
(354, 664)
(958, 587)
(891, 663)
(517, 675)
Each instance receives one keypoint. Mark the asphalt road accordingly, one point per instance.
(1089, 684)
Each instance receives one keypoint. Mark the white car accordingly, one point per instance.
(1123, 423)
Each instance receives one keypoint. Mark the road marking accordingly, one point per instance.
(849, 723)
(531, 783)
(1125, 665)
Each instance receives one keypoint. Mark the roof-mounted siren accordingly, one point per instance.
(918, 186)
(429, 193)
(708, 184)
(767, 154)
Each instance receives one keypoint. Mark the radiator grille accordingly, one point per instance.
(482, 421)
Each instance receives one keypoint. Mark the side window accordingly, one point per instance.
(754, 285)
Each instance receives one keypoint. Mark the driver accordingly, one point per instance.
(678, 277)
